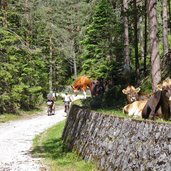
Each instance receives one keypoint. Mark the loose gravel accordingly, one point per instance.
(16, 140)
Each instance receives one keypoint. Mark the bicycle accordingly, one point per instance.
(51, 108)
(67, 106)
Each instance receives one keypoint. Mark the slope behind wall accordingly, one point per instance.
(116, 143)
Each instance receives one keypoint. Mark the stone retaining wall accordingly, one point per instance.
(118, 144)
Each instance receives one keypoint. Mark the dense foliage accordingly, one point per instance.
(35, 36)
(45, 44)
(102, 39)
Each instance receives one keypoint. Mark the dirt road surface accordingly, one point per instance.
(16, 141)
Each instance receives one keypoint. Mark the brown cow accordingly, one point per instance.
(81, 84)
(96, 87)
(161, 98)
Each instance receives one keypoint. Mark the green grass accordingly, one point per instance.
(108, 110)
(111, 111)
(59, 101)
(31, 112)
(8, 117)
(77, 102)
(117, 111)
(20, 115)
(49, 146)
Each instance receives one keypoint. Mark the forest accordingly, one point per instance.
(46, 44)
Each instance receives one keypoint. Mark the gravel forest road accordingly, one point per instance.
(16, 141)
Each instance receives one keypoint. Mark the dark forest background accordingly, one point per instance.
(46, 44)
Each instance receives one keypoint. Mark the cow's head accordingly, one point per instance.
(75, 90)
(97, 87)
(132, 93)
(164, 85)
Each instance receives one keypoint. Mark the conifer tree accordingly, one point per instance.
(98, 42)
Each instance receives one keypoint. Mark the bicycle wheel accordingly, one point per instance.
(49, 111)
(53, 111)
(67, 109)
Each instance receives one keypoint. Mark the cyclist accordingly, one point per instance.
(67, 101)
(51, 102)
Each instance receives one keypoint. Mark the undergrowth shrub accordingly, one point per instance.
(113, 98)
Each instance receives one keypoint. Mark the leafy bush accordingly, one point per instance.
(112, 98)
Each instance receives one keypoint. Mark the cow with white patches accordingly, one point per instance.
(136, 101)
(135, 109)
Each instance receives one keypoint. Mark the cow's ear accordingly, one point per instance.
(159, 87)
(124, 91)
(137, 89)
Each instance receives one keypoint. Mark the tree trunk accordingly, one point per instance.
(75, 65)
(169, 15)
(155, 58)
(165, 26)
(141, 36)
(126, 37)
(50, 65)
(74, 61)
(136, 39)
(145, 38)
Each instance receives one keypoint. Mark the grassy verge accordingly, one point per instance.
(20, 115)
(59, 102)
(50, 147)
(26, 114)
(8, 117)
(110, 111)
(118, 112)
